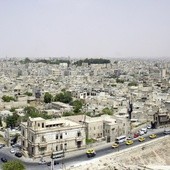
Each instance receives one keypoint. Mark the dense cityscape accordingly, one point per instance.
(53, 108)
(84, 85)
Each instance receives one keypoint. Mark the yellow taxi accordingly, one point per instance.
(141, 139)
(129, 142)
(90, 153)
(152, 136)
(115, 145)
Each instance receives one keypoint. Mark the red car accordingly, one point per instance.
(136, 135)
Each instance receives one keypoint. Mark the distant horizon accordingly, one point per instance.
(83, 58)
(85, 28)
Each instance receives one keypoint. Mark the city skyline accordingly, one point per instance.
(84, 29)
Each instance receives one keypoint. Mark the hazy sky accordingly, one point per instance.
(84, 28)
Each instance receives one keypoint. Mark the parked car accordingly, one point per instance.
(13, 150)
(2, 145)
(115, 145)
(41, 162)
(90, 153)
(152, 136)
(144, 130)
(3, 159)
(128, 138)
(16, 145)
(149, 127)
(166, 132)
(141, 139)
(55, 163)
(141, 132)
(129, 142)
(136, 135)
(18, 154)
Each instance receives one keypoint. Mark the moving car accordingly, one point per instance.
(115, 145)
(90, 153)
(4, 160)
(152, 136)
(18, 154)
(141, 139)
(129, 142)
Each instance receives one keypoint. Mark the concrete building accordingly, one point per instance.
(61, 106)
(40, 137)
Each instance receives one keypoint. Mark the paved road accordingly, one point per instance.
(76, 157)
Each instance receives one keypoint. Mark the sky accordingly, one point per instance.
(84, 28)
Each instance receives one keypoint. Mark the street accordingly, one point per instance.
(77, 157)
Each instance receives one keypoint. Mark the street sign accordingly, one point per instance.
(56, 155)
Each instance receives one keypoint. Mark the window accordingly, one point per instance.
(56, 148)
(43, 139)
(56, 136)
(65, 146)
(79, 134)
(32, 150)
(23, 133)
(42, 125)
(61, 136)
(23, 143)
(32, 139)
(61, 146)
(38, 124)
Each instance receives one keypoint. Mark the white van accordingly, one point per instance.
(120, 139)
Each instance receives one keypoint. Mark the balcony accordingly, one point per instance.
(42, 144)
(79, 138)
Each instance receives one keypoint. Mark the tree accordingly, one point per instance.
(12, 109)
(119, 81)
(12, 165)
(48, 97)
(28, 93)
(7, 98)
(64, 97)
(132, 83)
(68, 113)
(107, 111)
(33, 112)
(12, 121)
(77, 105)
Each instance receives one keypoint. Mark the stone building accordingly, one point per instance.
(40, 137)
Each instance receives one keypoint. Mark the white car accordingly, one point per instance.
(148, 126)
(144, 130)
(166, 132)
(141, 132)
(13, 150)
(41, 162)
